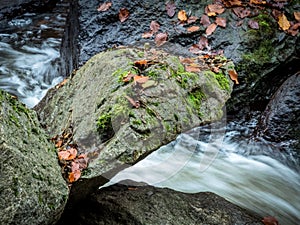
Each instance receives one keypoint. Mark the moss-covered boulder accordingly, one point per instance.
(32, 190)
(127, 102)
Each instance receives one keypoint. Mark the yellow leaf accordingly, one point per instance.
(283, 22)
(182, 15)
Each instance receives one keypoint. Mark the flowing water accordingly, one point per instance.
(250, 173)
(29, 54)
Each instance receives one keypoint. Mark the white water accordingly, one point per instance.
(243, 173)
(28, 72)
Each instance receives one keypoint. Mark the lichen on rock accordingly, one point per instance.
(118, 119)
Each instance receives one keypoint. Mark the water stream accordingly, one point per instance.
(252, 174)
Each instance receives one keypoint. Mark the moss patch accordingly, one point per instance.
(220, 78)
(195, 99)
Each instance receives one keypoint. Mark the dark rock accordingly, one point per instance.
(32, 190)
(148, 205)
(281, 119)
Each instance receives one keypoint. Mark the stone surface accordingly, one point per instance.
(148, 205)
(106, 123)
(32, 190)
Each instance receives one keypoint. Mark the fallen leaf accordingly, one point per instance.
(253, 24)
(294, 29)
(170, 7)
(210, 29)
(214, 9)
(154, 26)
(205, 20)
(192, 68)
(160, 39)
(147, 34)
(221, 22)
(233, 76)
(195, 49)
(61, 83)
(192, 19)
(74, 176)
(68, 154)
(193, 28)
(203, 42)
(104, 6)
(141, 63)
(134, 103)
(182, 16)
(269, 220)
(241, 12)
(74, 166)
(123, 14)
(186, 60)
(59, 143)
(258, 2)
(283, 22)
(297, 16)
(231, 3)
(140, 79)
(128, 77)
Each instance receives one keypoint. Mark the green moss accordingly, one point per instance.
(121, 73)
(195, 99)
(104, 121)
(221, 79)
(185, 78)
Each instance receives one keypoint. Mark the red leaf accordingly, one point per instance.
(269, 220)
(104, 6)
(210, 29)
(123, 14)
(161, 38)
(253, 24)
(154, 26)
(170, 7)
(205, 20)
(221, 22)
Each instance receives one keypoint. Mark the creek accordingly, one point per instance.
(220, 158)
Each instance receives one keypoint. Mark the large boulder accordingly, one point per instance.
(117, 122)
(32, 190)
(148, 205)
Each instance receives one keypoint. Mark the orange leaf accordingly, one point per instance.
(58, 144)
(63, 155)
(72, 152)
(154, 26)
(230, 3)
(160, 39)
(221, 22)
(214, 9)
(74, 176)
(182, 16)
(104, 7)
(141, 79)
(283, 22)
(193, 28)
(297, 16)
(141, 63)
(192, 19)
(192, 68)
(269, 220)
(258, 2)
(123, 14)
(210, 29)
(147, 34)
(233, 76)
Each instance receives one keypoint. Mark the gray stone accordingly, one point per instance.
(142, 204)
(32, 190)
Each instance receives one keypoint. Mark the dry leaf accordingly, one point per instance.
(74, 166)
(253, 24)
(123, 14)
(134, 103)
(214, 9)
(160, 39)
(269, 220)
(294, 30)
(283, 22)
(205, 20)
(59, 143)
(193, 28)
(195, 49)
(241, 12)
(230, 3)
(192, 19)
(128, 77)
(193, 68)
(147, 34)
(258, 2)
(233, 76)
(210, 29)
(154, 26)
(182, 16)
(104, 7)
(203, 42)
(186, 60)
(170, 7)
(221, 22)
(74, 176)
(140, 79)
(297, 16)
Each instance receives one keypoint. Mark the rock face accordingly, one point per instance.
(32, 190)
(148, 205)
(281, 119)
(118, 117)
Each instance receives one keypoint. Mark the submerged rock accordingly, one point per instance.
(148, 205)
(32, 190)
(125, 103)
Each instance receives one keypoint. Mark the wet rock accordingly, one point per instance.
(281, 119)
(118, 122)
(261, 56)
(32, 190)
(148, 205)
